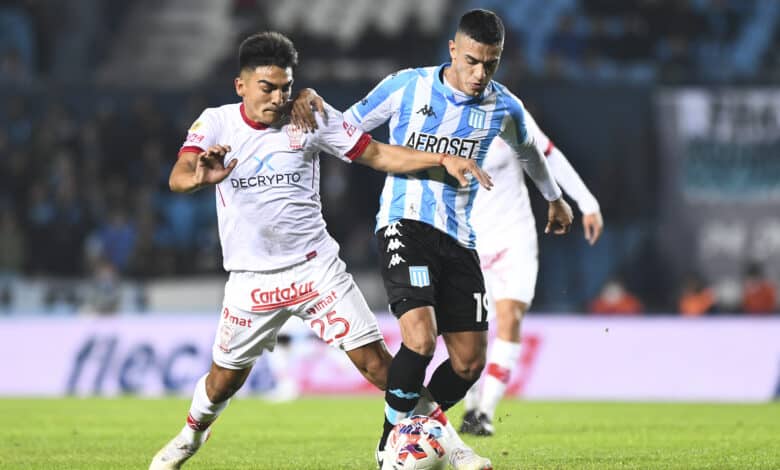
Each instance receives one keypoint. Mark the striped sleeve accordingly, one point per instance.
(515, 132)
(377, 107)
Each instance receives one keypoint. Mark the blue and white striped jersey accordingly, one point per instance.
(425, 114)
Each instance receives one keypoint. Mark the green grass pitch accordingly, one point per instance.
(340, 433)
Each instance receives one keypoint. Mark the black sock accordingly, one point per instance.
(404, 381)
(447, 387)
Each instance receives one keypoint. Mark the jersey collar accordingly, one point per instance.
(253, 124)
(443, 88)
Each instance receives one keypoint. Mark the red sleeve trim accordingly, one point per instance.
(359, 147)
(549, 149)
(190, 148)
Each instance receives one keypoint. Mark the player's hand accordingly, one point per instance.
(457, 167)
(303, 106)
(559, 217)
(593, 225)
(210, 167)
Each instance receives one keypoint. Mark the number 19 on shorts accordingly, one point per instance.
(482, 306)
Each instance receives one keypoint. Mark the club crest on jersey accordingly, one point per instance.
(418, 276)
(477, 118)
(295, 134)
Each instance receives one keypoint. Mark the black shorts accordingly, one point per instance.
(424, 266)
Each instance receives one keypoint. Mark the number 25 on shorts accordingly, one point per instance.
(319, 325)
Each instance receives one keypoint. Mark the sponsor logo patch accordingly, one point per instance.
(295, 135)
(477, 118)
(418, 276)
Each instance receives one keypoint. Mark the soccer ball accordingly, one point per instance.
(416, 443)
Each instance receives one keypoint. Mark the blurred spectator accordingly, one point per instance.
(759, 295)
(614, 299)
(13, 243)
(103, 295)
(114, 241)
(12, 68)
(697, 298)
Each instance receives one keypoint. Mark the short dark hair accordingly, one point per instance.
(483, 26)
(267, 48)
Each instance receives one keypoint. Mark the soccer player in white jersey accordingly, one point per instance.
(427, 246)
(282, 261)
(508, 252)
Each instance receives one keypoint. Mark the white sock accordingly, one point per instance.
(471, 400)
(202, 411)
(502, 363)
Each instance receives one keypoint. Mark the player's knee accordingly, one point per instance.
(470, 369)
(423, 344)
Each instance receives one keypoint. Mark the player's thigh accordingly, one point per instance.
(243, 334)
(338, 314)
(409, 264)
(461, 301)
(513, 272)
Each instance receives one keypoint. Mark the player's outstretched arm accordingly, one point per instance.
(559, 217)
(398, 159)
(193, 171)
(302, 109)
(570, 181)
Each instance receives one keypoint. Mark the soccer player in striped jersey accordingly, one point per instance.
(281, 259)
(508, 251)
(427, 246)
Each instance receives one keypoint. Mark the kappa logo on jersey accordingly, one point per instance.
(418, 276)
(295, 134)
(395, 244)
(395, 260)
(392, 230)
(467, 148)
(282, 297)
(477, 118)
(427, 110)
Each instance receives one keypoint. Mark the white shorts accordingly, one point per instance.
(510, 268)
(320, 292)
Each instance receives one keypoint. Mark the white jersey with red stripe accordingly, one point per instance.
(503, 220)
(503, 213)
(268, 208)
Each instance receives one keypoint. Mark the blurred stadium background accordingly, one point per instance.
(669, 110)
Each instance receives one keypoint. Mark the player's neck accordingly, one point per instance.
(459, 94)
(250, 120)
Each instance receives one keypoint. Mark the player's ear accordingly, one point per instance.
(452, 50)
(239, 83)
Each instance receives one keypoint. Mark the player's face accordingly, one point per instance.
(473, 64)
(264, 90)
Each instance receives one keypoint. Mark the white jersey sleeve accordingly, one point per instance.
(515, 132)
(337, 137)
(564, 173)
(203, 133)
